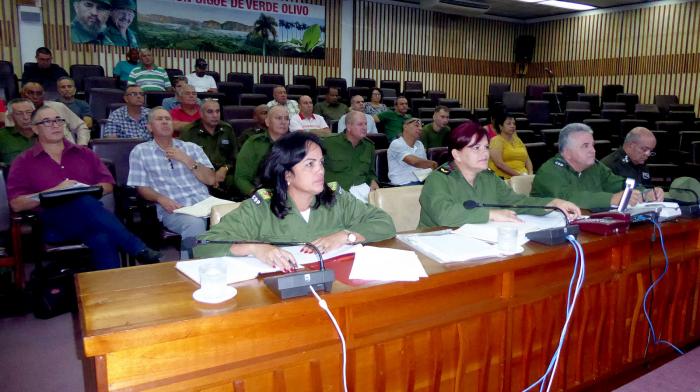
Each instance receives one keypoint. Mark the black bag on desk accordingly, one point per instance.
(52, 290)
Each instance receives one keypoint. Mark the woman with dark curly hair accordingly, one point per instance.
(299, 206)
(375, 105)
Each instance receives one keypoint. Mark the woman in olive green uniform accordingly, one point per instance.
(466, 177)
(300, 207)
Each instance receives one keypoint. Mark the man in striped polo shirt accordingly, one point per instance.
(148, 76)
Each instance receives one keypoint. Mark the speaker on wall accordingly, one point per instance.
(524, 48)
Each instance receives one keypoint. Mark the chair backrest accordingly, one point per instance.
(401, 203)
(299, 89)
(381, 165)
(271, 79)
(244, 78)
(435, 95)
(438, 154)
(340, 83)
(266, 89)
(81, 71)
(392, 84)
(252, 99)
(514, 101)
(218, 212)
(232, 91)
(538, 153)
(215, 75)
(92, 82)
(116, 151)
(610, 91)
(592, 99)
(412, 85)
(578, 105)
(379, 139)
(537, 111)
(230, 112)
(6, 68)
(365, 82)
(535, 91)
(155, 98)
(497, 89)
(308, 80)
(450, 103)
(664, 101)
(101, 97)
(522, 184)
(388, 92)
(241, 124)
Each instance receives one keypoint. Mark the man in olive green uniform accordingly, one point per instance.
(393, 119)
(630, 160)
(331, 109)
(575, 175)
(349, 156)
(255, 149)
(219, 143)
(254, 220)
(120, 19)
(435, 133)
(259, 115)
(15, 139)
(88, 26)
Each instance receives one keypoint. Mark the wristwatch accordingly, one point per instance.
(351, 238)
(194, 166)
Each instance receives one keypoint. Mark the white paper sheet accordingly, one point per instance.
(449, 246)
(361, 192)
(387, 264)
(203, 208)
(489, 231)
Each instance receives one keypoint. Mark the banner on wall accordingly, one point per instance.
(268, 28)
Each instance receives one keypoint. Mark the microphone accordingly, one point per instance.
(552, 236)
(692, 210)
(290, 285)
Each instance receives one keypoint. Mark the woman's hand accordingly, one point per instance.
(572, 211)
(274, 256)
(503, 216)
(328, 243)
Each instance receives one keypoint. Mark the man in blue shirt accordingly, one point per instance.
(124, 67)
(66, 91)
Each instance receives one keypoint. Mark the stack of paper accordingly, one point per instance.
(372, 263)
(489, 231)
(203, 208)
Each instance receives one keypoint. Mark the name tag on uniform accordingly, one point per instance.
(225, 141)
(645, 175)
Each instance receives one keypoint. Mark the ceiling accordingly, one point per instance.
(522, 10)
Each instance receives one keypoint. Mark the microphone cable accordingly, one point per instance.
(324, 305)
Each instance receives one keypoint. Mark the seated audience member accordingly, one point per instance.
(298, 206)
(630, 160)
(406, 154)
(256, 148)
(393, 120)
(375, 105)
(54, 163)
(331, 108)
(508, 153)
(149, 76)
(188, 111)
(130, 120)
(202, 82)
(492, 128)
(90, 22)
(171, 103)
(73, 125)
(66, 91)
(218, 141)
(349, 159)
(44, 71)
(305, 120)
(259, 115)
(435, 133)
(121, 16)
(173, 174)
(575, 175)
(3, 110)
(466, 177)
(124, 67)
(279, 94)
(357, 104)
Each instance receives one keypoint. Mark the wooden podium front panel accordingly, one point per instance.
(487, 327)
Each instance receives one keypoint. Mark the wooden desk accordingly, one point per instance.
(465, 328)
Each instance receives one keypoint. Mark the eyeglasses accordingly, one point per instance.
(51, 122)
(135, 94)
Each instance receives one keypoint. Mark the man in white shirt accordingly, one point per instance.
(406, 155)
(306, 120)
(280, 98)
(202, 82)
(357, 103)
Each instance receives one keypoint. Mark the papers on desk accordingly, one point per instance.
(245, 268)
(489, 231)
(203, 208)
(669, 210)
(373, 263)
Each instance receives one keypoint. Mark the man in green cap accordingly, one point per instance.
(255, 149)
(118, 27)
(349, 156)
(90, 22)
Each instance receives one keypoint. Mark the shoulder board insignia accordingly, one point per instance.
(559, 162)
(335, 187)
(444, 169)
(260, 196)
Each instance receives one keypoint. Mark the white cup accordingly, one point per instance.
(212, 277)
(507, 239)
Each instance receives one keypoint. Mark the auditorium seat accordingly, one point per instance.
(550, 137)
(450, 103)
(438, 154)
(215, 75)
(615, 106)
(100, 98)
(455, 122)
(413, 85)
(555, 100)
(419, 103)
(340, 83)
(92, 82)
(114, 106)
(629, 99)
(615, 116)
(538, 153)
(241, 124)
(593, 100)
(435, 95)
(522, 185)
(9, 86)
(117, 152)
(10, 232)
(427, 113)
(577, 115)
(232, 91)
(682, 107)
(215, 96)
(647, 112)
(381, 166)
(392, 84)
(664, 144)
(380, 140)
(686, 139)
(365, 82)
(244, 78)
(570, 92)
(602, 128)
(513, 102)
(155, 98)
(579, 105)
(389, 101)
(535, 91)
(358, 90)
(478, 113)
(496, 91)
(232, 112)
(401, 203)
(6, 68)
(265, 89)
(252, 99)
(460, 113)
(218, 212)
(663, 102)
(388, 93)
(413, 94)
(528, 136)
(78, 72)
(602, 148)
(662, 174)
(271, 78)
(609, 92)
(308, 80)
(172, 73)
(521, 123)
(537, 112)
(627, 125)
(686, 117)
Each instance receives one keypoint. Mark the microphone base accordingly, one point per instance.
(554, 236)
(690, 211)
(297, 284)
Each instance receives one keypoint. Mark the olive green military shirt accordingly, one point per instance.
(13, 143)
(331, 112)
(251, 156)
(431, 139)
(347, 164)
(620, 164)
(243, 137)
(393, 123)
(221, 147)
(254, 220)
(591, 189)
(79, 35)
(445, 191)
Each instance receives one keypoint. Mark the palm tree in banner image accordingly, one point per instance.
(266, 28)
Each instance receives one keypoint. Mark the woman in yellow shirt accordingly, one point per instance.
(508, 153)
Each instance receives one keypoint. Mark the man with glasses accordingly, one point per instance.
(630, 160)
(357, 103)
(90, 22)
(54, 163)
(74, 125)
(407, 155)
(173, 174)
(129, 121)
(44, 71)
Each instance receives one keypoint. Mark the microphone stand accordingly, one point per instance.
(551, 236)
(553, 83)
(295, 284)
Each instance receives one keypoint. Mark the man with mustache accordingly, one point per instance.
(90, 21)
(120, 18)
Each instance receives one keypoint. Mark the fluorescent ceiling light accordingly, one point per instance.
(567, 5)
(530, 1)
